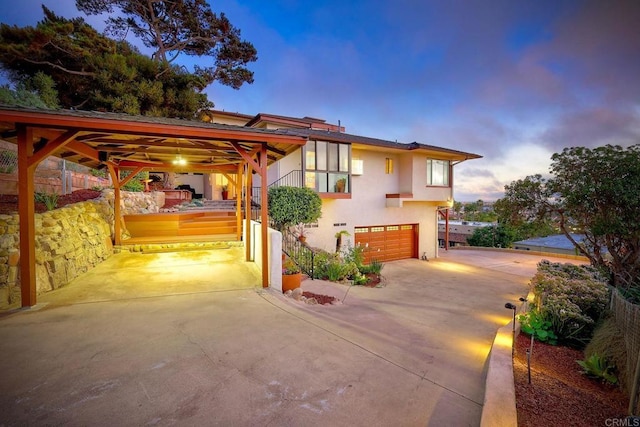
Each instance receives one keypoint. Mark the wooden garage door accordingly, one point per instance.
(388, 242)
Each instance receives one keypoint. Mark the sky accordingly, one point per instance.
(513, 81)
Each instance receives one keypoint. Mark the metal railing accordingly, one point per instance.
(292, 179)
(298, 252)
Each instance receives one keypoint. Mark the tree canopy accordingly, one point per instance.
(174, 27)
(593, 192)
(37, 91)
(93, 72)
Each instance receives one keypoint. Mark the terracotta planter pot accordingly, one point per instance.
(291, 281)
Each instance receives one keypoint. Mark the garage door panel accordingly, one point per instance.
(387, 243)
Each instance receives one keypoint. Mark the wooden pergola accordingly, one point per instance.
(122, 142)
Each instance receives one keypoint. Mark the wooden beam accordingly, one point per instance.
(228, 176)
(246, 156)
(26, 212)
(52, 146)
(117, 226)
(131, 176)
(85, 150)
(264, 217)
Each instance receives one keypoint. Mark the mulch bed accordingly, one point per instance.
(559, 393)
(322, 299)
(9, 203)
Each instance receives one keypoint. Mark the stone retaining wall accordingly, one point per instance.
(69, 241)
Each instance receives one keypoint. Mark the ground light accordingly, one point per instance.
(513, 333)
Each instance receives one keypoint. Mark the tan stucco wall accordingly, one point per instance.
(368, 203)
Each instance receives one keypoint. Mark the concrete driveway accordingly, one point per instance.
(190, 339)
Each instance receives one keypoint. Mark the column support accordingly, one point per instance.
(26, 212)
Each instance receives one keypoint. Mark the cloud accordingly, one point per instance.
(593, 128)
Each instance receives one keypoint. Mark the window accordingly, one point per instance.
(388, 166)
(438, 173)
(327, 166)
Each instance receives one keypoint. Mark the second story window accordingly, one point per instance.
(438, 172)
(327, 166)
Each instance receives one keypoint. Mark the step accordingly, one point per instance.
(206, 224)
(206, 231)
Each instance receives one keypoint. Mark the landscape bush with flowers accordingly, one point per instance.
(289, 267)
(568, 301)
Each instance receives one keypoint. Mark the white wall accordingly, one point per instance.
(195, 181)
(275, 253)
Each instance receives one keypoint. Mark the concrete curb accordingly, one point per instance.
(518, 251)
(499, 407)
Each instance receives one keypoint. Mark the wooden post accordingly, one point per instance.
(114, 171)
(26, 212)
(239, 203)
(446, 229)
(264, 216)
(247, 209)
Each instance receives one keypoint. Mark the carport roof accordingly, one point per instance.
(90, 138)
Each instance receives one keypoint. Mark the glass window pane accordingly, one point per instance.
(338, 183)
(311, 155)
(310, 180)
(321, 155)
(438, 172)
(333, 157)
(344, 158)
(322, 182)
(445, 173)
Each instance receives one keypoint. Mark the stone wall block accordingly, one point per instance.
(69, 241)
(43, 279)
(12, 276)
(14, 257)
(7, 241)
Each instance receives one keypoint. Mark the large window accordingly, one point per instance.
(327, 167)
(438, 172)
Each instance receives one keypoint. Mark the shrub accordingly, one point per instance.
(533, 324)
(135, 185)
(354, 254)
(289, 206)
(597, 366)
(608, 342)
(101, 173)
(50, 200)
(571, 297)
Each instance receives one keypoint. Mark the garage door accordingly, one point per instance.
(388, 242)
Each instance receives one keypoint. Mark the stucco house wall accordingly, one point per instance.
(368, 203)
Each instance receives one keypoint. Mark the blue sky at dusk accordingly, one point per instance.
(513, 81)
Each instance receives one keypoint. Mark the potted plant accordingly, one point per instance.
(225, 192)
(291, 275)
(301, 232)
(341, 185)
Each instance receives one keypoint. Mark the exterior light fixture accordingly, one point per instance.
(513, 307)
(179, 160)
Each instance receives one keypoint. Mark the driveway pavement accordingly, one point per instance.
(191, 339)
